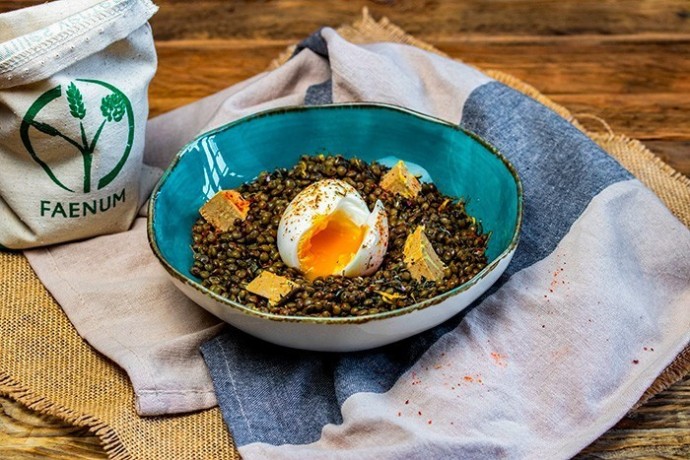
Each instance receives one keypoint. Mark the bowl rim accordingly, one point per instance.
(187, 280)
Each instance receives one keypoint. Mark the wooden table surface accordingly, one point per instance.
(627, 62)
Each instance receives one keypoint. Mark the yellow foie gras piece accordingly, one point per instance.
(271, 286)
(401, 181)
(222, 210)
(420, 258)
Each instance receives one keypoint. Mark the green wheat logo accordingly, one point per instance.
(113, 109)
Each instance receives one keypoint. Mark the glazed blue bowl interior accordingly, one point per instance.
(458, 163)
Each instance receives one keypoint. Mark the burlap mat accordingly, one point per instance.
(45, 365)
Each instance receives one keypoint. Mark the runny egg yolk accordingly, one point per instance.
(329, 245)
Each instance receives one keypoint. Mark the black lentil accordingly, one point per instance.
(227, 261)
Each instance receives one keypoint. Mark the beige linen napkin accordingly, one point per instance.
(114, 290)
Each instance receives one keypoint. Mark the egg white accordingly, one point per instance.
(322, 199)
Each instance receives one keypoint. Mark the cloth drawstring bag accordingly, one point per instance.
(74, 77)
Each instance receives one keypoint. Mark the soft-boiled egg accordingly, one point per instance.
(328, 230)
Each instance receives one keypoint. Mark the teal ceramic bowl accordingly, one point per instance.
(458, 162)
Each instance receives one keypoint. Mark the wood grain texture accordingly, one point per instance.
(27, 435)
(659, 429)
(427, 19)
(626, 62)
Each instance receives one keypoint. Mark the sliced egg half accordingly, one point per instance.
(328, 230)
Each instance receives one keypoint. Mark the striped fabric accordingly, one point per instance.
(594, 305)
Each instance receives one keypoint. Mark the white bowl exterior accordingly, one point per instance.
(343, 337)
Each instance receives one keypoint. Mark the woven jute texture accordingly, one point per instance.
(45, 365)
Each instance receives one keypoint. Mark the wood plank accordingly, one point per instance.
(568, 65)
(561, 67)
(295, 19)
(572, 65)
(675, 153)
(188, 71)
(663, 116)
(25, 434)
(427, 19)
(641, 91)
